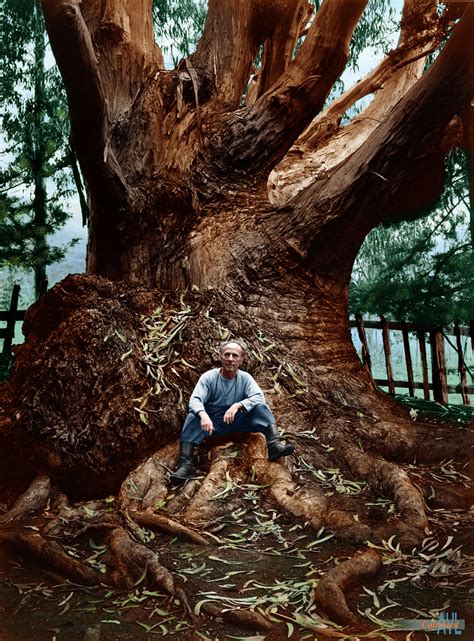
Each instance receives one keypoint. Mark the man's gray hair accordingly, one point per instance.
(223, 345)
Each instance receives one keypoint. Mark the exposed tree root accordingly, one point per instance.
(165, 524)
(245, 618)
(147, 486)
(51, 553)
(179, 502)
(395, 481)
(146, 499)
(132, 559)
(307, 504)
(74, 521)
(329, 593)
(100, 524)
(196, 503)
(203, 509)
(33, 500)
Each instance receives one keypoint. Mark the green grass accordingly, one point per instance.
(437, 412)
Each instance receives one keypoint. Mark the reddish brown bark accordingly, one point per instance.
(176, 171)
(176, 167)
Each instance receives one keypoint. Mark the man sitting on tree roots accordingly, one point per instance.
(226, 400)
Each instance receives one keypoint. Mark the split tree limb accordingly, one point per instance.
(291, 103)
(88, 107)
(325, 144)
(399, 156)
(420, 34)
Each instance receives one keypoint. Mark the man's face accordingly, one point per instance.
(232, 358)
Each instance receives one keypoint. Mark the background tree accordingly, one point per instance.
(214, 216)
(178, 25)
(37, 178)
(422, 270)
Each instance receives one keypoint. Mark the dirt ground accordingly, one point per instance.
(263, 561)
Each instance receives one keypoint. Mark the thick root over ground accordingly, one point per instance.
(132, 559)
(330, 590)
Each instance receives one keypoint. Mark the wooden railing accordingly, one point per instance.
(438, 386)
(437, 338)
(12, 316)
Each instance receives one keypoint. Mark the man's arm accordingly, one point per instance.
(200, 395)
(254, 394)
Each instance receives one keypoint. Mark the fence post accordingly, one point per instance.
(409, 365)
(363, 339)
(10, 329)
(424, 364)
(461, 366)
(438, 366)
(386, 349)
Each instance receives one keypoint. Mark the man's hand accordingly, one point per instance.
(231, 412)
(206, 423)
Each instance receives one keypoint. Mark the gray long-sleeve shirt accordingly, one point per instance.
(214, 393)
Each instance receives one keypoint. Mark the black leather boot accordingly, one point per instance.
(185, 468)
(276, 449)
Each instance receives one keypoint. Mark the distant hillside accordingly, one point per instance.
(74, 263)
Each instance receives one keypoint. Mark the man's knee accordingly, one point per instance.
(191, 431)
(261, 414)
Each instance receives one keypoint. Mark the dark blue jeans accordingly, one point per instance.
(254, 421)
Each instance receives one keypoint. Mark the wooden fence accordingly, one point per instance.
(12, 316)
(437, 338)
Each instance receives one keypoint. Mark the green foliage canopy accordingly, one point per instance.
(423, 270)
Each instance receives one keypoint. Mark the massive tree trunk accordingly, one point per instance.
(184, 220)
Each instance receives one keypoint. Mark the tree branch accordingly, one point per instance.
(420, 33)
(226, 51)
(399, 167)
(325, 144)
(229, 45)
(73, 49)
(278, 49)
(123, 38)
(260, 134)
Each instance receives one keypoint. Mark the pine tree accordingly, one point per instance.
(37, 179)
